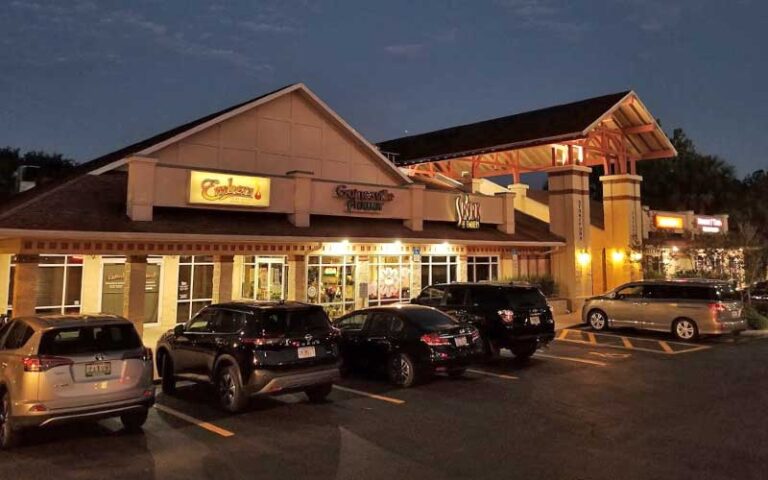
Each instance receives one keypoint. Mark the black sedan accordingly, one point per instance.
(408, 342)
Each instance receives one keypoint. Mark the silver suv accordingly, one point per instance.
(686, 308)
(72, 367)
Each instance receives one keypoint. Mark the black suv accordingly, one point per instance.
(253, 348)
(512, 316)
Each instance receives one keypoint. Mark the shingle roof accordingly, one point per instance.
(569, 119)
(75, 209)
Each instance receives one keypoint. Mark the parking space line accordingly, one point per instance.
(383, 398)
(626, 342)
(591, 337)
(205, 425)
(491, 374)
(598, 340)
(665, 346)
(563, 334)
(572, 359)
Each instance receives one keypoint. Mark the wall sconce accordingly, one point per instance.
(584, 258)
(618, 256)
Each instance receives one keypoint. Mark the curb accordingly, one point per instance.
(754, 333)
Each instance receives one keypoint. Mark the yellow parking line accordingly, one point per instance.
(396, 401)
(563, 334)
(491, 374)
(591, 337)
(205, 425)
(627, 343)
(572, 359)
(665, 346)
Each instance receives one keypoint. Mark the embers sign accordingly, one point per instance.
(210, 188)
(468, 213)
(369, 201)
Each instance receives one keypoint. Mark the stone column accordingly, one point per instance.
(134, 290)
(298, 264)
(623, 227)
(569, 218)
(5, 282)
(508, 212)
(25, 285)
(141, 188)
(222, 278)
(90, 299)
(415, 221)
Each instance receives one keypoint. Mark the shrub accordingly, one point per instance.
(545, 283)
(755, 319)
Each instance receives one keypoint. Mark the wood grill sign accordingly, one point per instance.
(370, 201)
(468, 213)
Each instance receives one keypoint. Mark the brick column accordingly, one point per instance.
(623, 227)
(569, 218)
(25, 285)
(134, 290)
(222, 278)
(298, 265)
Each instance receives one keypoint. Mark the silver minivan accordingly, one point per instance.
(687, 308)
(61, 368)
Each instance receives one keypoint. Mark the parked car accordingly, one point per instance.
(253, 348)
(408, 342)
(511, 316)
(758, 294)
(686, 308)
(60, 368)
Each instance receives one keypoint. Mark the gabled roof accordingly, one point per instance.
(554, 124)
(150, 145)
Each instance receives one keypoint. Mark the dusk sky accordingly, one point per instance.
(87, 77)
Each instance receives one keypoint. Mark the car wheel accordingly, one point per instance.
(598, 320)
(402, 370)
(457, 372)
(8, 435)
(168, 381)
(135, 420)
(524, 352)
(319, 393)
(685, 329)
(229, 387)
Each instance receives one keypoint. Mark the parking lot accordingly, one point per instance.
(617, 405)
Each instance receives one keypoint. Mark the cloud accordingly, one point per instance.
(266, 27)
(407, 50)
(544, 15)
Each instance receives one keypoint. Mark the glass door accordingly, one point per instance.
(113, 287)
(265, 278)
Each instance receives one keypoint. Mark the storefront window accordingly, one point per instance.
(59, 284)
(331, 283)
(195, 287)
(113, 287)
(390, 280)
(482, 269)
(439, 269)
(265, 278)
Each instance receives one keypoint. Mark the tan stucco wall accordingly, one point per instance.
(288, 133)
(5, 277)
(90, 295)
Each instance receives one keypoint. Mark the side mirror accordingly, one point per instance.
(178, 329)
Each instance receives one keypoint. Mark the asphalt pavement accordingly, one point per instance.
(588, 407)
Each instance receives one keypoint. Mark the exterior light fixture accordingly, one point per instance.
(636, 256)
(618, 256)
(584, 258)
(442, 248)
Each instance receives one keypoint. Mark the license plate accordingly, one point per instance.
(461, 341)
(98, 369)
(306, 352)
(535, 320)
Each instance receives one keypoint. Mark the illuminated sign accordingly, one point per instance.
(709, 224)
(665, 221)
(468, 213)
(209, 188)
(369, 201)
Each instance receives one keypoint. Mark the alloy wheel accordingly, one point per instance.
(685, 329)
(401, 370)
(227, 389)
(597, 320)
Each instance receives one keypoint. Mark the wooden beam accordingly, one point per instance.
(668, 153)
(647, 128)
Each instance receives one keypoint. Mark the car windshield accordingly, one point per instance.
(292, 323)
(89, 339)
(508, 297)
(728, 293)
(431, 320)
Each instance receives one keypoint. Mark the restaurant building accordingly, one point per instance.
(279, 198)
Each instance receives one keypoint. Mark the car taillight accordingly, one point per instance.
(507, 316)
(716, 308)
(43, 363)
(434, 339)
(475, 335)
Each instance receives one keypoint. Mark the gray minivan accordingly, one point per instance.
(685, 307)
